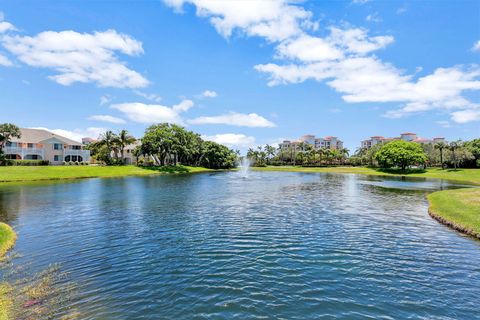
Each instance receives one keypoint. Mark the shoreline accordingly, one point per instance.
(463, 176)
(60, 173)
(459, 209)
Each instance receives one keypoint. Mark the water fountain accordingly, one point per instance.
(244, 167)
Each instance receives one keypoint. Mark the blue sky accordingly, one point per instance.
(243, 73)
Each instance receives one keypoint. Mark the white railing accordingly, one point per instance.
(85, 154)
(24, 151)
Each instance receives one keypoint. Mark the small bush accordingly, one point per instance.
(29, 162)
(76, 163)
(71, 163)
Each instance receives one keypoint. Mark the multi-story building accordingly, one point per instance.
(317, 143)
(407, 136)
(38, 144)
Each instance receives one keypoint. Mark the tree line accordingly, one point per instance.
(456, 154)
(300, 154)
(163, 144)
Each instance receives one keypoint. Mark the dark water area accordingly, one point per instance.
(274, 245)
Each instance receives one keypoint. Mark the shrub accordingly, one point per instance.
(29, 162)
(71, 163)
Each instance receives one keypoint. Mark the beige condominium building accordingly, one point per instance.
(329, 142)
(38, 144)
(407, 136)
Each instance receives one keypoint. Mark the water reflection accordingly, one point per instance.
(275, 245)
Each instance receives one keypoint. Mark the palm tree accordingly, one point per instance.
(109, 139)
(123, 140)
(453, 146)
(440, 146)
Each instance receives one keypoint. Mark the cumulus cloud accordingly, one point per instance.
(77, 134)
(4, 61)
(149, 96)
(476, 46)
(6, 26)
(153, 113)
(273, 20)
(209, 94)
(231, 139)
(80, 57)
(107, 118)
(235, 119)
(343, 58)
(105, 99)
(465, 116)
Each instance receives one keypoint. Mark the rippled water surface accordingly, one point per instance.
(273, 245)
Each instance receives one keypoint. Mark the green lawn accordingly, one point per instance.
(458, 208)
(471, 176)
(7, 238)
(35, 173)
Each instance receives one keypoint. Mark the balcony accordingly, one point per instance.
(22, 152)
(85, 154)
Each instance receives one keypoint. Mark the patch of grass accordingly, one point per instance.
(459, 208)
(7, 238)
(12, 174)
(6, 302)
(470, 176)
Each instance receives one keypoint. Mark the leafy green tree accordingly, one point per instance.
(400, 154)
(474, 147)
(7, 132)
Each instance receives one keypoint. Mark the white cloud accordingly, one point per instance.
(308, 48)
(153, 113)
(444, 124)
(373, 17)
(80, 57)
(77, 134)
(465, 116)
(107, 118)
(476, 46)
(231, 139)
(149, 96)
(209, 94)
(343, 58)
(401, 10)
(6, 26)
(105, 99)
(235, 119)
(360, 1)
(5, 62)
(273, 20)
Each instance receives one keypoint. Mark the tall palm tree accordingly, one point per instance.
(108, 139)
(453, 146)
(123, 140)
(440, 146)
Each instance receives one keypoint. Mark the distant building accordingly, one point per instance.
(407, 136)
(38, 144)
(329, 142)
(86, 141)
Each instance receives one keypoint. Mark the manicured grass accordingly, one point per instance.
(471, 176)
(35, 173)
(6, 302)
(7, 238)
(459, 209)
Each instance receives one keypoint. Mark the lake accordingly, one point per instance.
(274, 245)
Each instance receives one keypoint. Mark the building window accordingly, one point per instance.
(57, 146)
(56, 158)
(75, 147)
(30, 145)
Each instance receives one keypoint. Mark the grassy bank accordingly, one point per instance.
(459, 209)
(36, 173)
(7, 240)
(471, 176)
